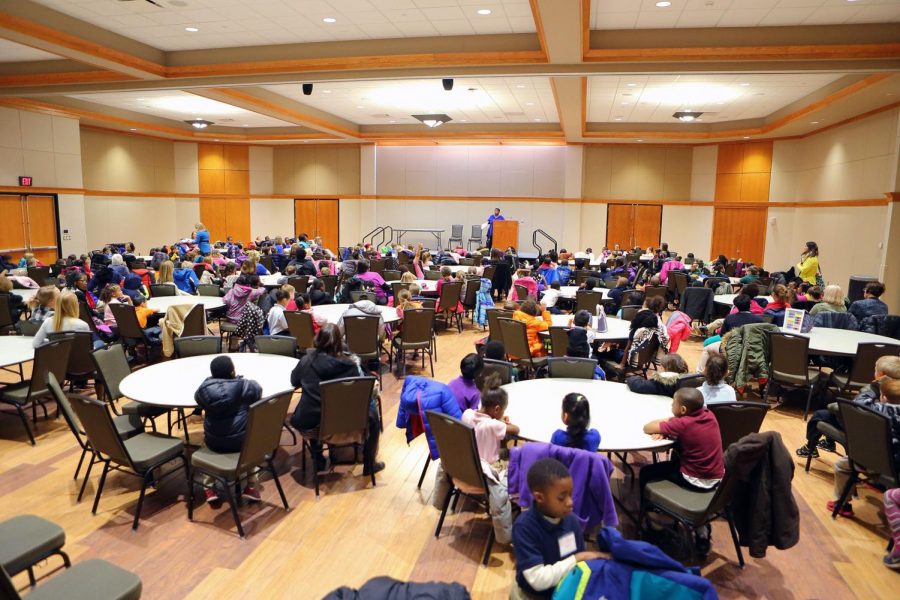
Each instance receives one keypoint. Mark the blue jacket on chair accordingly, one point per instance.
(420, 394)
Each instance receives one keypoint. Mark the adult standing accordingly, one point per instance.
(490, 232)
(201, 238)
(808, 267)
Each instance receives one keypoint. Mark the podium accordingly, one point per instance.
(506, 234)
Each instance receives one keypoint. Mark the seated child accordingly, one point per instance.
(43, 303)
(536, 319)
(491, 427)
(547, 537)
(664, 381)
(495, 350)
(582, 320)
(579, 347)
(715, 389)
(463, 387)
(699, 464)
(892, 515)
(550, 297)
(276, 319)
(576, 416)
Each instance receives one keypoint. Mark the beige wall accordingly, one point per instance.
(629, 172)
(145, 221)
(325, 170)
(271, 216)
(127, 163)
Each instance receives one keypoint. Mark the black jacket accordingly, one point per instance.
(661, 383)
(314, 368)
(226, 403)
(765, 512)
(385, 588)
(16, 305)
(318, 297)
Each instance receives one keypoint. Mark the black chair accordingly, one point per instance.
(857, 286)
(362, 337)
(299, 283)
(468, 301)
(588, 300)
(790, 366)
(199, 345)
(493, 326)
(451, 294)
(330, 282)
(559, 341)
(209, 289)
(300, 326)
(161, 290)
(629, 311)
(282, 345)
(80, 367)
(501, 367)
(515, 342)
(390, 275)
(131, 332)
(572, 368)
(863, 366)
(417, 334)
(737, 419)
(88, 580)
(689, 380)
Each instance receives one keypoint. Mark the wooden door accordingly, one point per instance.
(305, 217)
(40, 213)
(327, 219)
(12, 232)
(647, 225)
(739, 233)
(619, 225)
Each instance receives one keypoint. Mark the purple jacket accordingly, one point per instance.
(592, 494)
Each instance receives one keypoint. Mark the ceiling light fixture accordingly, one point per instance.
(521, 87)
(686, 115)
(199, 123)
(329, 20)
(326, 91)
(663, 4)
(745, 84)
(640, 140)
(536, 119)
(191, 29)
(132, 129)
(433, 120)
(484, 11)
(813, 122)
(631, 84)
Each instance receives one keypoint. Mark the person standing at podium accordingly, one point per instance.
(490, 223)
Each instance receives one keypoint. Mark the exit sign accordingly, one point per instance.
(25, 181)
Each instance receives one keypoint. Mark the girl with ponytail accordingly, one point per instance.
(576, 415)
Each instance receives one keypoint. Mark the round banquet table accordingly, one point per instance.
(616, 412)
(568, 291)
(25, 294)
(728, 299)
(333, 312)
(428, 286)
(172, 384)
(15, 349)
(824, 341)
(162, 303)
(616, 329)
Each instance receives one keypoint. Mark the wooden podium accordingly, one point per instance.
(506, 234)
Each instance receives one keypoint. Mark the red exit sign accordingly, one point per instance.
(25, 181)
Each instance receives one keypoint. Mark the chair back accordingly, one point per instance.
(713, 282)
(300, 326)
(195, 321)
(79, 362)
(208, 289)
(456, 232)
(765, 285)
(282, 345)
(572, 368)
(588, 300)
(493, 326)
(737, 419)
(869, 441)
(655, 291)
(160, 290)
(432, 275)
(99, 427)
(126, 321)
(458, 450)
(559, 341)
(647, 355)
(330, 282)
(299, 283)
(633, 298)
(730, 268)
(197, 345)
(65, 407)
(489, 272)
(376, 265)
(112, 365)
(345, 406)
(466, 262)
(500, 367)
(690, 380)
(476, 233)
(724, 493)
(49, 357)
(396, 286)
(515, 338)
(857, 286)
(29, 328)
(472, 287)
(390, 275)
(418, 325)
(866, 356)
(429, 303)
(628, 312)
(5, 314)
(84, 313)
(362, 334)
(403, 258)
(357, 295)
(521, 292)
(264, 425)
(681, 282)
(450, 295)
(39, 274)
(790, 358)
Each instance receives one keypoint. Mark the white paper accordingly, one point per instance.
(567, 544)
(484, 226)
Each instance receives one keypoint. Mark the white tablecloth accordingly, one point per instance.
(728, 299)
(616, 329)
(841, 342)
(15, 349)
(162, 303)
(333, 312)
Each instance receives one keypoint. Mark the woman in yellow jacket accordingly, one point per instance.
(536, 319)
(808, 266)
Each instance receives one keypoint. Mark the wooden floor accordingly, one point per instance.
(356, 532)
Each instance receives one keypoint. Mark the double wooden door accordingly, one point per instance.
(28, 223)
(740, 233)
(318, 217)
(631, 225)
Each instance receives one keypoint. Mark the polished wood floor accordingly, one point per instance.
(355, 532)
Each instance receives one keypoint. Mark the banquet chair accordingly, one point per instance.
(690, 380)
(655, 291)
(299, 283)
(261, 442)
(737, 419)
(162, 290)
(493, 326)
(362, 337)
(431, 275)
(790, 366)
(40, 275)
(472, 287)
(28, 540)
(126, 425)
(515, 342)
(456, 235)
(197, 345)
(396, 286)
(863, 366)
(376, 265)
(571, 367)
(79, 367)
(88, 580)
(521, 292)
(50, 357)
(451, 293)
(6, 321)
(501, 367)
(462, 467)
(330, 282)
(417, 334)
(300, 326)
(588, 300)
(390, 275)
(28, 328)
(474, 236)
(140, 456)
(345, 419)
(131, 332)
(358, 295)
(629, 311)
(209, 289)
(194, 321)
(559, 341)
(282, 345)
(112, 368)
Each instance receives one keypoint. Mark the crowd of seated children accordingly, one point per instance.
(741, 315)
(464, 387)
(576, 416)
(871, 304)
(714, 388)
(832, 301)
(65, 318)
(43, 303)
(374, 280)
(489, 422)
(275, 319)
(536, 319)
(663, 381)
(245, 289)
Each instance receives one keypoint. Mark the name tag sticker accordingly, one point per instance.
(567, 545)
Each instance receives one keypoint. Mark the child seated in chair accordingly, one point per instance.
(464, 387)
(490, 424)
(276, 319)
(576, 416)
(547, 537)
(664, 381)
(536, 319)
(715, 389)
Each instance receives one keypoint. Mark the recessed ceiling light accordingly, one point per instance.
(326, 91)
(216, 140)
(618, 119)
(329, 20)
(537, 119)
(132, 129)
(529, 104)
(746, 137)
(191, 29)
(640, 140)
(625, 104)
(745, 84)
(521, 87)
(245, 125)
(484, 11)
(813, 122)
(392, 121)
(305, 141)
(631, 84)
(663, 4)
(359, 106)
(199, 123)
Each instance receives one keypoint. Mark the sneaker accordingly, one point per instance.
(827, 445)
(892, 561)
(211, 495)
(251, 494)
(377, 467)
(846, 510)
(803, 452)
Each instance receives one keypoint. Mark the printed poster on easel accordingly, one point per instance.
(793, 320)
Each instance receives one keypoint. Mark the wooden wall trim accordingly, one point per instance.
(745, 53)
(539, 27)
(15, 189)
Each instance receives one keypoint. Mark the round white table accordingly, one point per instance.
(15, 349)
(728, 299)
(332, 312)
(25, 294)
(162, 303)
(457, 268)
(616, 412)
(428, 286)
(568, 291)
(172, 384)
(616, 329)
(824, 341)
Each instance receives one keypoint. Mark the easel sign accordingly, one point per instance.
(793, 320)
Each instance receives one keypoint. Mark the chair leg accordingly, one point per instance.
(100, 485)
(25, 424)
(278, 484)
(31, 579)
(66, 561)
(140, 504)
(809, 450)
(808, 402)
(80, 462)
(845, 493)
(424, 470)
(189, 481)
(232, 502)
(430, 362)
(450, 493)
(734, 537)
(290, 430)
(87, 476)
(490, 544)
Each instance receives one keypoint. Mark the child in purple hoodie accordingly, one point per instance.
(463, 387)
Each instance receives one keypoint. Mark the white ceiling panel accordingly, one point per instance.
(644, 14)
(653, 98)
(478, 100)
(230, 23)
(182, 106)
(13, 52)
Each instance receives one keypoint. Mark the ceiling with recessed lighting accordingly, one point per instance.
(482, 100)
(651, 14)
(653, 98)
(232, 23)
